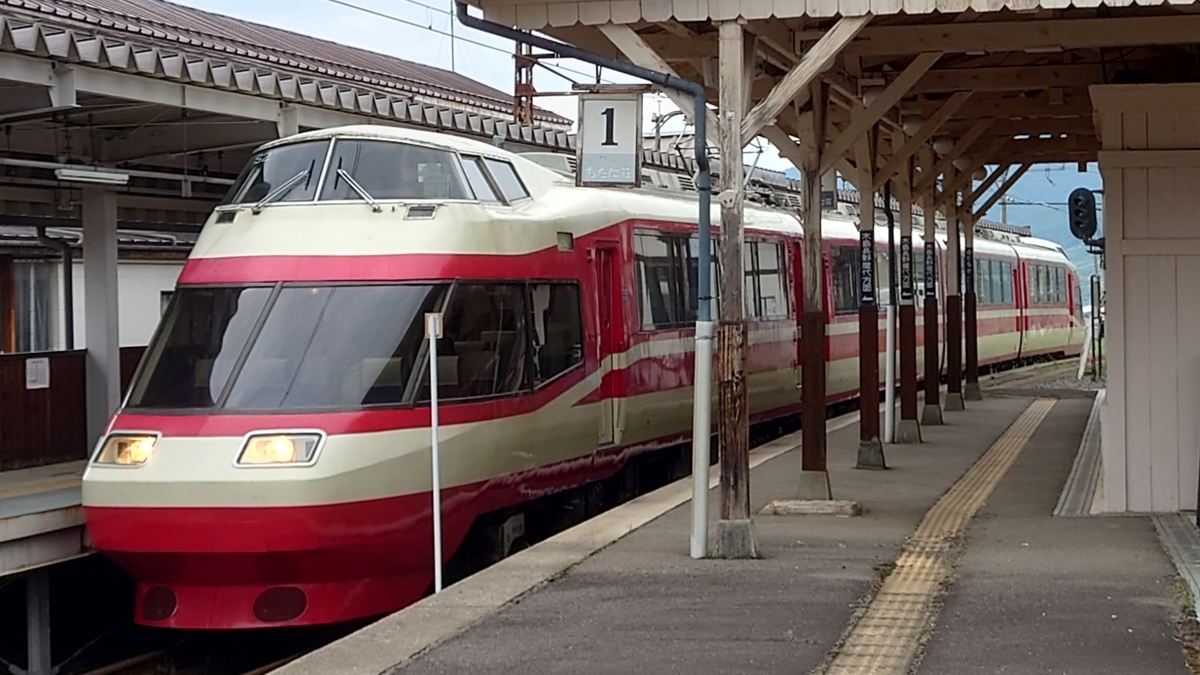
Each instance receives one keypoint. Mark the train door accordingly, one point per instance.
(1021, 302)
(610, 342)
(798, 303)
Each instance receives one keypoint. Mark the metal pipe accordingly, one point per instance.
(889, 396)
(68, 282)
(702, 406)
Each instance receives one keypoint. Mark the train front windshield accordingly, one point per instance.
(287, 347)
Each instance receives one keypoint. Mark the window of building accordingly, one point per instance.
(388, 170)
(164, 301)
(507, 180)
(557, 329)
(35, 293)
(845, 279)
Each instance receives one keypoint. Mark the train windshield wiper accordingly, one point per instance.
(280, 192)
(366, 196)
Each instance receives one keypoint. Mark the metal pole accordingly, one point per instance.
(701, 420)
(434, 328)
(889, 396)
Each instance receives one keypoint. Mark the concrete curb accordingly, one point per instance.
(397, 639)
(1181, 540)
(1080, 488)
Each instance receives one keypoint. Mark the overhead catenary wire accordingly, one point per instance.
(431, 29)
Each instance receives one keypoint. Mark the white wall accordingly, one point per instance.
(1150, 433)
(139, 288)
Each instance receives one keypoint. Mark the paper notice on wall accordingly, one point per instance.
(37, 373)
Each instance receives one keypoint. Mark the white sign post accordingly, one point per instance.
(609, 148)
(433, 331)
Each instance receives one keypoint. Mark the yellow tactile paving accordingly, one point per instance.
(886, 638)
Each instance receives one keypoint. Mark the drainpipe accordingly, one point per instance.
(702, 388)
(68, 281)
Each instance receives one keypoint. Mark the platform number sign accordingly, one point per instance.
(609, 148)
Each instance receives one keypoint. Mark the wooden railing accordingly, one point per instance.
(45, 425)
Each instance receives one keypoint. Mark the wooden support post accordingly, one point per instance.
(735, 531)
(870, 447)
(814, 474)
(908, 430)
(8, 307)
(971, 390)
(954, 339)
(932, 414)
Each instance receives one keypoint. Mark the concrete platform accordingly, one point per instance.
(41, 517)
(1034, 594)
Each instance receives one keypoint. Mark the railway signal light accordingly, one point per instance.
(1081, 210)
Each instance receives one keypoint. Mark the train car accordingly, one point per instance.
(270, 465)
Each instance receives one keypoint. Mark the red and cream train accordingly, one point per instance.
(270, 465)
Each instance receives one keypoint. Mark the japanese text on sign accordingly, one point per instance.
(969, 270)
(906, 269)
(866, 275)
(930, 270)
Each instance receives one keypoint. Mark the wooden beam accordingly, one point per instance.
(861, 120)
(1001, 191)
(813, 374)
(1033, 36)
(962, 180)
(799, 78)
(957, 151)
(969, 199)
(638, 52)
(1075, 102)
(900, 159)
(1015, 78)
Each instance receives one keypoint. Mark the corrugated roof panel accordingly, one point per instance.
(170, 22)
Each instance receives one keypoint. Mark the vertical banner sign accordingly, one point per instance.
(969, 270)
(906, 270)
(433, 331)
(930, 271)
(609, 143)
(866, 268)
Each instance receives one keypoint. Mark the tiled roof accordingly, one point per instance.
(165, 22)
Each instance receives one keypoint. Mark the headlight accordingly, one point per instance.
(269, 449)
(126, 450)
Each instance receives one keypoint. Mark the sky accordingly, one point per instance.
(1036, 199)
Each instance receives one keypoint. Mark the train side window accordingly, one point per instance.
(772, 280)
(507, 180)
(983, 280)
(1006, 283)
(557, 329)
(1062, 286)
(658, 284)
(693, 277)
(883, 284)
(845, 279)
(477, 178)
(484, 351)
(918, 274)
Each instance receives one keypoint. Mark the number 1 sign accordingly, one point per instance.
(609, 144)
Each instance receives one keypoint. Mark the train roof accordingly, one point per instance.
(548, 179)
